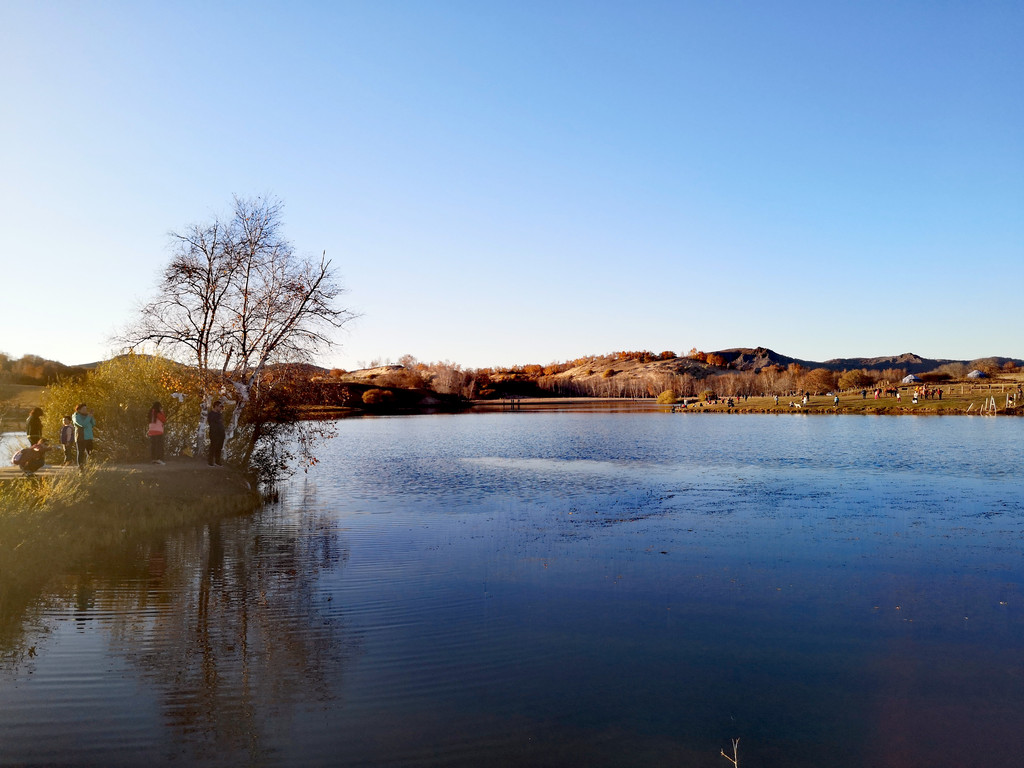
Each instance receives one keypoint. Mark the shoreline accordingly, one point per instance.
(974, 404)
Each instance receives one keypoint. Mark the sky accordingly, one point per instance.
(504, 183)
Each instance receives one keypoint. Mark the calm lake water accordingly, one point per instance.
(561, 589)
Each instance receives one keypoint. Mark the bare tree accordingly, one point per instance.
(236, 298)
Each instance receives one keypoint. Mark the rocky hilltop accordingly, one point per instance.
(745, 359)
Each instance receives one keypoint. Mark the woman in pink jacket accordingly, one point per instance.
(156, 433)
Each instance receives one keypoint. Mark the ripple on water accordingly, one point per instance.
(562, 589)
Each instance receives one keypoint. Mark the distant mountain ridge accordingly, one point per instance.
(747, 359)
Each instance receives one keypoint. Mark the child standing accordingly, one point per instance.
(67, 439)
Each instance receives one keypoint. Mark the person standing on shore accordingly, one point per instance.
(156, 433)
(34, 426)
(84, 423)
(215, 422)
(67, 439)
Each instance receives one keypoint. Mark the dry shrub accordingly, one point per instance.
(377, 397)
(120, 392)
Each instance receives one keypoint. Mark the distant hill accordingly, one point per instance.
(760, 357)
(32, 370)
(908, 361)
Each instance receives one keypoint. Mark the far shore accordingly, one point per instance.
(989, 398)
(1001, 395)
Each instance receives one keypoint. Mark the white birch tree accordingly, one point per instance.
(236, 298)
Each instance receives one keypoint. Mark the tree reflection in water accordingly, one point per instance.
(224, 624)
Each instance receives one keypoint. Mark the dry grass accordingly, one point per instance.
(957, 398)
(26, 395)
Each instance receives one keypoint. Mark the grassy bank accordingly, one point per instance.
(51, 522)
(957, 399)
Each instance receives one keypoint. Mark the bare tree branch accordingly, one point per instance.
(235, 298)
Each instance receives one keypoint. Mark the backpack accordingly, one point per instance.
(16, 458)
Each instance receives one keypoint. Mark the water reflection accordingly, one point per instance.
(566, 590)
(223, 625)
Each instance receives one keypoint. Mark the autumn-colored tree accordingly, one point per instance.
(819, 380)
(713, 358)
(891, 375)
(954, 370)
(855, 379)
(987, 365)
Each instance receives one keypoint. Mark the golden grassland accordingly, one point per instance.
(958, 398)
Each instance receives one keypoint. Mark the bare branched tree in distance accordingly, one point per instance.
(235, 298)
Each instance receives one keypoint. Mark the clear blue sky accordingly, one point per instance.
(513, 182)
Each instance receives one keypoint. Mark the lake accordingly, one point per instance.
(561, 589)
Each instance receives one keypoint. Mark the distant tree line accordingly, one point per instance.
(600, 377)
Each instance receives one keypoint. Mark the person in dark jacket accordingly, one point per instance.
(32, 459)
(215, 422)
(34, 425)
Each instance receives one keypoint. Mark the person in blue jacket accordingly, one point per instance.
(84, 423)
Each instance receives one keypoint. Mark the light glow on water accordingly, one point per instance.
(562, 589)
